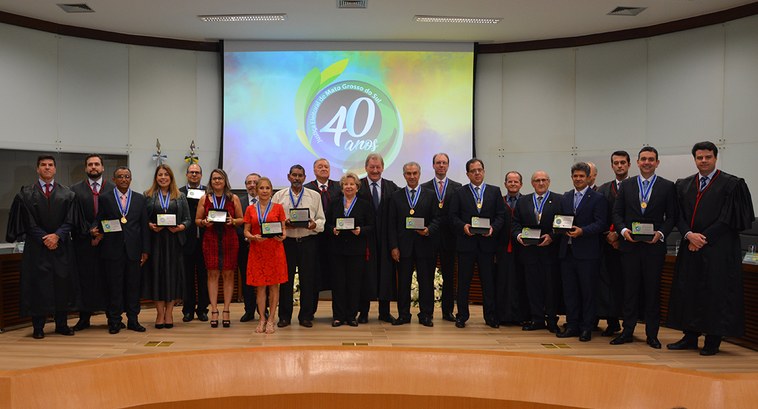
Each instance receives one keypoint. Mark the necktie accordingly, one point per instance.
(703, 182)
(123, 201)
(95, 194)
(511, 201)
(375, 195)
(536, 212)
(413, 194)
(645, 184)
(577, 199)
(254, 201)
(47, 190)
(440, 187)
(324, 198)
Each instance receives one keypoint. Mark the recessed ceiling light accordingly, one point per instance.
(456, 19)
(626, 11)
(75, 8)
(230, 18)
(351, 4)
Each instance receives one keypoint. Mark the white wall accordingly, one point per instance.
(77, 95)
(547, 109)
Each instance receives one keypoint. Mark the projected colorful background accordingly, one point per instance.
(288, 107)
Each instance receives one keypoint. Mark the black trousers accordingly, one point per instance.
(579, 290)
(446, 253)
(347, 280)
(543, 289)
(61, 317)
(425, 280)
(248, 291)
(642, 269)
(485, 262)
(194, 267)
(123, 279)
(302, 255)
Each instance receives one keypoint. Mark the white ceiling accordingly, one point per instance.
(386, 20)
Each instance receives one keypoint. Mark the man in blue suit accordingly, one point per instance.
(477, 201)
(580, 253)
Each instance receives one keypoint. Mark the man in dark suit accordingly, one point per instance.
(194, 262)
(444, 188)
(611, 284)
(536, 211)
(330, 192)
(473, 203)
(580, 253)
(380, 278)
(413, 245)
(86, 245)
(248, 291)
(122, 224)
(644, 200)
(512, 304)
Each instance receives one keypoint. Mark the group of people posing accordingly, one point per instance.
(593, 252)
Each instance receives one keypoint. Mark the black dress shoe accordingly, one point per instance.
(492, 324)
(283, 323)
(352, 323)
(448, 316)
(387, 318)
(684, 343)
(568, 333)
(135, 326)
(202, 316)
(460, 323)
(585, 336)
(612, 329)
(114, 329)
(426, 321)
(622, 339)
(553, 327)
(306, 323)
(188, 316)
(709, 351)
(168, 326)
(336, 323)
(68, 331)
(121, 325)
(533, 326)
(401, 321)
(654, 343)
(248, 316)
(362, 318)
(81, 325)
(38, 333)
(159, 326)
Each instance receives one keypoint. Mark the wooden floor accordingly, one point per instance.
(19, 351)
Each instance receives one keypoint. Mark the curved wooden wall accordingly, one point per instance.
(343, 377)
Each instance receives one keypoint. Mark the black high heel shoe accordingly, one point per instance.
(214, 323)
(227, 322)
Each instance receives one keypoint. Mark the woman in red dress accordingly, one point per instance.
(220, 243)
(266, 262)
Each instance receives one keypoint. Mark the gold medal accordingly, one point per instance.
(440, 205)
(412, 211)
(643, 205)
(123, 219)
(479, 205)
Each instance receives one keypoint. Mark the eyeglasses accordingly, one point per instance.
(540, 180)
(194, 172)
(122, 177)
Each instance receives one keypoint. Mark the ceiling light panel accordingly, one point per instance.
(233, 18)
(456, 19)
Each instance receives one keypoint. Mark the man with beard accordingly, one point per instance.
(87, 244)
(248, 291)
(707, 294)
(43, 215)
(194, 263)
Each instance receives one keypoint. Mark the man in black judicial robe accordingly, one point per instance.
(122, 253)
(44, 214)
(512, 302)
(330, 192)
(477, 199)
(707, 294)
(611, 284)
(409, 247)
(379, 280)
(87, 246)
(444, 189)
